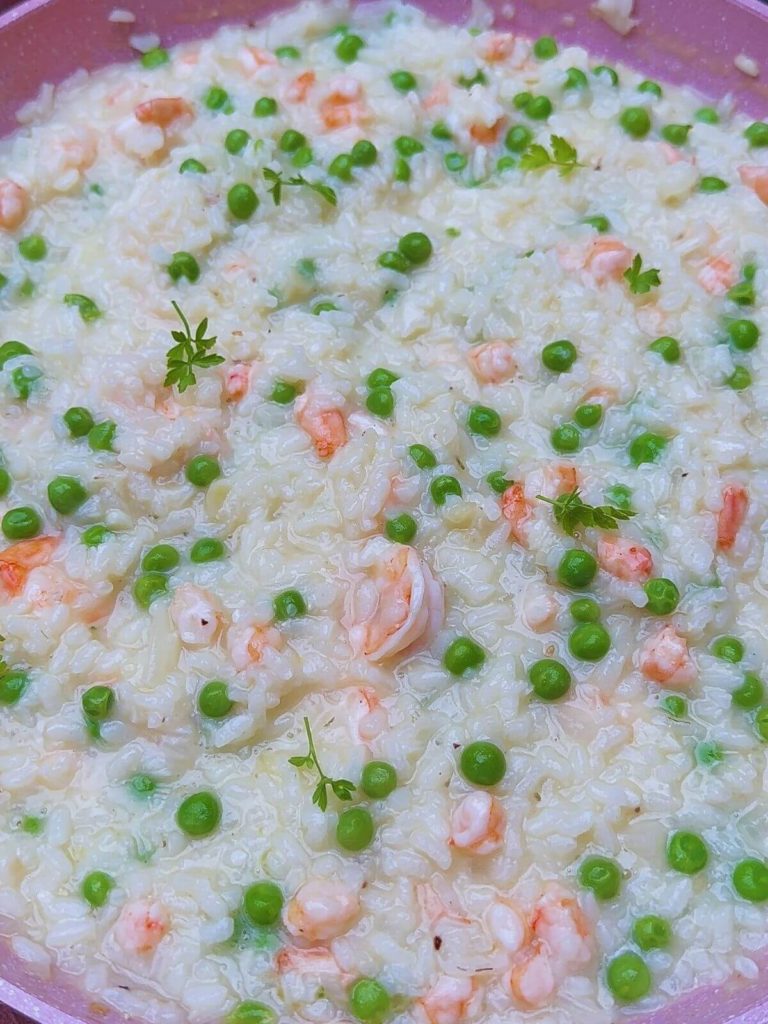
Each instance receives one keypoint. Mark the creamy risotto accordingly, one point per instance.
(383, 586)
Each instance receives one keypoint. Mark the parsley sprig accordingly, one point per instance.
(277, 183)
(190, 350)
(570, 512)
(563, 156)
(641, 281)
(342, 788)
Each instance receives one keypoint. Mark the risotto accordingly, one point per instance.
(384, 585)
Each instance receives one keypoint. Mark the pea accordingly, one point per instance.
(392, 260)
(149, 587)
(289, 605)
(663, 596)
(21, 523)
(588, 415)
(32, 825)
(589, 642)
(283, 392)
(101, 436)
(265, 106)
(667, 348)
(95, 535)
(647, 447)
(744, 334)
(303, 157)
(33, 248)
(441, 131)
(687, 853)
(585, 609)
(401, 529)
(192, 166)
(483, 763)
(455, 161)
(484, 421)
(13, 685)
(5, 481)
(708, 754)
(549, 679)
(757, 134)
(601, 875)
(761, 723)
(710, 184)
(505, 163)
(11, 349)
(97, 702)
(628, 977)
(66, 494)
(216, 98)
(416, 247)
(369, 1001)
(635, 121)
(242, 201)
(707, 115)
(650, 87)
(207, 549)
(728, 648)
(78, 421)
(545, 48)
(96, 887)
(740, 379)
(676, 134)
(142, 785)
(160, 558)
(407, 146)
(675, 706)
(402, 171)
(213, 701)
(566, 439)
(651, 932)
(262, 902)
(423, 457)
(498, 482)
(251, 1012)
(467, 81)
(750, 694)
(199, 814)
(381, 378)
(236, 141)
(341, 167)
(354, 829)
(364, 153)
(381, 402)
(462, 655)
(518, 138)
(522, 99)
(378, 780)
(620, 496)
(24, 380)
(403, 81)
(202, 470)
(324, 307)
(442, 486)
(287, 53)
(559, 356)
(750, 880)
(348, 48)
(539, 108)
(577, 568)
(599, 222)
(575, 79)
(154, 58)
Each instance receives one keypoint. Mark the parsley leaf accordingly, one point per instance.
(641, 281)
(570, 511)
(342, 788)
(277, 183)
(563, 156)
(189, 351)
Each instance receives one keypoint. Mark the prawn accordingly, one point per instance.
(14, 204)
(508, 925)
(492, 362)
(142, 925)
(237, 381)
(517, 510)
(485, 134)
(449, 1000)
(343, 105)
(321, 909)
(298, 89)
(664, 659)
(17, 561)
(322, 420)
(246, 645)
(755, 177)
(624, 559)
(477, 824)
(162, 111)
(731, 516)
(194, 615)
(717, 275)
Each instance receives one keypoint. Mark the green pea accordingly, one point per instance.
(154, 58)
(101, 436)
(577, 568)
(761, 723)
(550, 679)
(455, 161)
(324, 307)
(545, 48)
(78, 421)
(407, 146)
(588, 415)
(207, 549)
(381, 402)
(584, 609)
(97, 702)
(242, 201)
(341, 167)
(423, 457)
(483, 763)
(707, 115)
(467, 81)
(265, 106)
(289, 605)
(442, 486)
(348, 48)
(635, 121)
(728, 648)
(5, 481)
(463, 655)
(364, 153)
(161, 558)
(743, 293)
(521, 100)
(539, 108)
(575, 79)
(354, 829)
(667, 348)
(251, 1012)
(236, 141)
(498, 482)
(369, 1001)
(184, 264)
(32, 825)
(381, 378)
(566, 439)
(589, 642)
(750, 694)
(675, 706)
(620, 496)
(651, 87)
(33, 248)
(708, 754)
(559, 356)
(402, 170)
(601, 875)
(217, 99)
(13, 685)
(11, 350)
(676, 134)
(283, 392)
(287, 53)
(518, 138)
(484, 421)
(599, 222)
(199, 814)
(392, 260)
(709, 184)
(663, 596)
(651, 932)
(757, 134)
(27, 288)
(687, 853)
(24, 380)
(403, 81)
(740, 379)
(202, 470)
(744, 334)
(628, 977)
(21, 523)
(378, 780)
(505, 163)
(96, 887)
(66, 494)
(416, 247)
(647, 447)
(149, 587)
(192, 166)
(608, 73)
(214, 701)
(401, 529)
(262, 903)
(750, 880)
(95, 535)
(142, 785)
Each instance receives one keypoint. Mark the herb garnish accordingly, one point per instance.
(641, 281)
(278, 183)
(190, 350)
(570, 512)
(563, 156)
(342, 788)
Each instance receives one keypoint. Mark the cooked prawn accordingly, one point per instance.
(142, 925)
(532, 980)
(624, 559)
(755, 176)
(298, 89)
(14, 204)
(718, 275)
(162, 111)
(485, 134)
(343, 106)
(237, 381)
(497, 46)
(435, 907)
(517, 510)
(665, 659)
(321, 909)
(194, 615)
(365, 717)
(246, 645)
(316, 961)
(508, 925)
(477, 824)
(731, 516)
(320, 417)
(253, 59)
(492, 362)
(17, 561)
(449, 1000)
(539, 607)
(607, 259)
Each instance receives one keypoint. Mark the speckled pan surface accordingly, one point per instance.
(697, 48)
